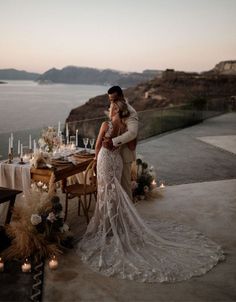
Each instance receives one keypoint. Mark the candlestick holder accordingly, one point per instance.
(21, 162)
(10, 156)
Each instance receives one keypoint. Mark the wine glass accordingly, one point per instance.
(85, 142)
(91, 142)
(72, 142)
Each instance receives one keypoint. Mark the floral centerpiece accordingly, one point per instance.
(143, 179)
(49, 139)
(38, 229)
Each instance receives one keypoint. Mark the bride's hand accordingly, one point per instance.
(107, 143)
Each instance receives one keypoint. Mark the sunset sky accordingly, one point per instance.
(128, 35)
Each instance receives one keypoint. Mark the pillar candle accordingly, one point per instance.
(26, 267)
(53, 263)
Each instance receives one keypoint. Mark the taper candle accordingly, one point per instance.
(18, 147)
(76, 138)
(30, 142)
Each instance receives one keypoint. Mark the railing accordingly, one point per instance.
(156, 121)
(151, 122)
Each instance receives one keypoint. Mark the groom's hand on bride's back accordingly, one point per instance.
(107, 143)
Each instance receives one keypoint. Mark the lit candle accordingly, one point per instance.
(1, 265)
(162, 186)
(34, 143)
(154, 182)
(67, 130)
(12, 138)
(9, 146)
(30, 142)
(44, 187)
(76, 138)
(25, 158)
(18, 147)
(26, 266)
(21, 150)
(59, 128)
(40, 184)
(53, 263)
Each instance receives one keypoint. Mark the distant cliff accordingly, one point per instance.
(173, 88)
(92, 76)
(226, 67)
(13, 74)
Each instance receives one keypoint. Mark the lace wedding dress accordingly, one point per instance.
(119, 243)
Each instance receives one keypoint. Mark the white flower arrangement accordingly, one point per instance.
(144, 181)
(49, 139)
(35, 219)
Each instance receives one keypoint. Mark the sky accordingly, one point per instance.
(126, 35)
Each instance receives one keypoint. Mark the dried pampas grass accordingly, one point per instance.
(26, 240)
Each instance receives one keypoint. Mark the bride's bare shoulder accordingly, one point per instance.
(104, 126)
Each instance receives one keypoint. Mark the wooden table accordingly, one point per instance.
(60, 172)
(8, 195)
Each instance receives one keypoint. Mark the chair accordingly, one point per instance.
(83, 190)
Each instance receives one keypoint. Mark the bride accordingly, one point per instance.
(119, 243)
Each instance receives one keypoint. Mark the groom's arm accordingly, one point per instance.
(130, 134)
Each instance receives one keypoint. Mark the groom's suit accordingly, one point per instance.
(127, 144)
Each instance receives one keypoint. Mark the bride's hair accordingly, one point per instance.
(123, 108)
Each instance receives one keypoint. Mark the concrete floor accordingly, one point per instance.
(181, 157)
(207, 206)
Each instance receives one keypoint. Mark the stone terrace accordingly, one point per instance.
(198, 165)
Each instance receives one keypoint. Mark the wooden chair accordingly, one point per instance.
(84, 191)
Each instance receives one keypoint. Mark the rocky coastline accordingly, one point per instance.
(174, 88)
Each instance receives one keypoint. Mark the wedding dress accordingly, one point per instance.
(119, 243)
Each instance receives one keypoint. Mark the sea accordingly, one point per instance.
(27, 107)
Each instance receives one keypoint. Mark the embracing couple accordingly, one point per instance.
(118, 242)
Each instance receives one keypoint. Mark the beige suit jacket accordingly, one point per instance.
(132, 131)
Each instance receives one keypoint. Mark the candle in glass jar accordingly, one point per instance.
(162, 186)
(26, 266)
(1, 265)
(53, 263)
(154, 182)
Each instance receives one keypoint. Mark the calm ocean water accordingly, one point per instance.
(26, 107)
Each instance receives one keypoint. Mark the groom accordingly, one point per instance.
(126, 141)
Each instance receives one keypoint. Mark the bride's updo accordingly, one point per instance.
(123, 108)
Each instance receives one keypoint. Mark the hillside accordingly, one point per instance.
(173, 88)
(93, 76)
(13, 74)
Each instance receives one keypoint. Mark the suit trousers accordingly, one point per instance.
(126, 179)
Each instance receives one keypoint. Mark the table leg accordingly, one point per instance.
(10, 208)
